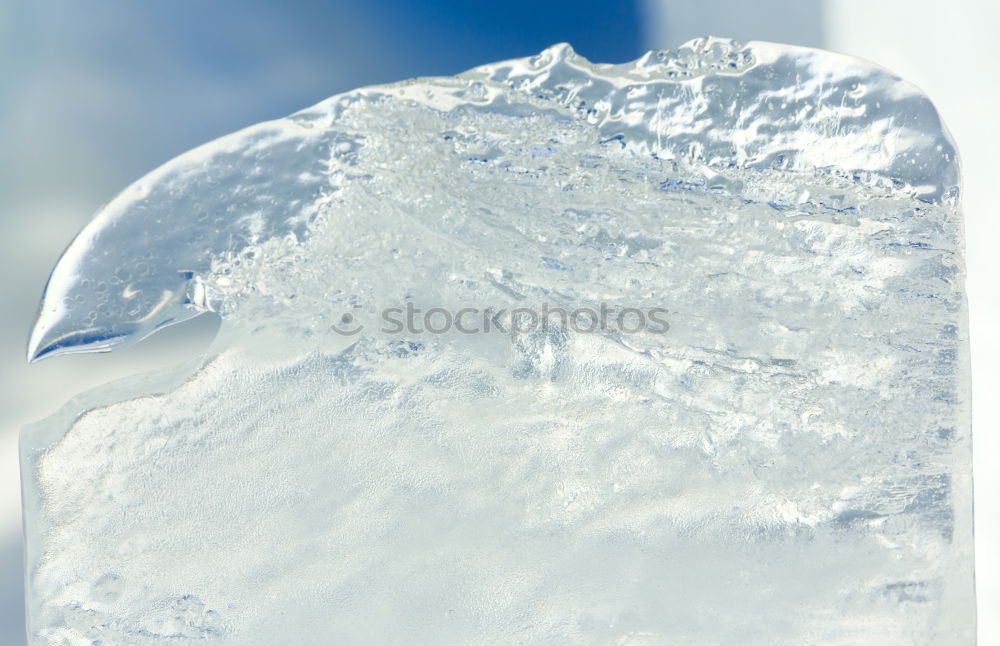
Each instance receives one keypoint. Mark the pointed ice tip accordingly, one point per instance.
(39, 343)
(35, 350)
(553, 53)
(60, 330)
(563, 49)
(48, 342)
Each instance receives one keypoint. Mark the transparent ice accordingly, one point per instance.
(789, 463)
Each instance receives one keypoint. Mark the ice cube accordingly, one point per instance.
(673, 351)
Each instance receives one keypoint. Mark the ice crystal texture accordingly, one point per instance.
(787, 463)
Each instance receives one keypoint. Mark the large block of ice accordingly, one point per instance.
(550, 352)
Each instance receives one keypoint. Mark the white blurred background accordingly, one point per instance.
(93, 95)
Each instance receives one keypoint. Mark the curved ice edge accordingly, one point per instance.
(707, 102)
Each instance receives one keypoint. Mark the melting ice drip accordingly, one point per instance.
(789, 464)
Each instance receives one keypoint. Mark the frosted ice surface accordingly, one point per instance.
(785, 461)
